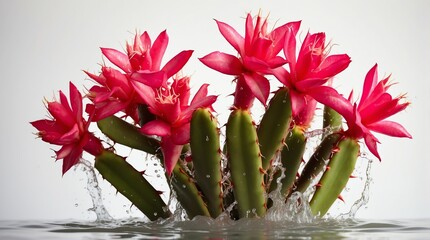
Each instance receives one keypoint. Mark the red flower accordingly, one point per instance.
(312, 68)
(370, 113)
(173, 115)
(141, 63)
(258, 55)
(68, 129)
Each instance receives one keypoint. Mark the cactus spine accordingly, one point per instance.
(206, 157)
(245, 164)
(336, 176)
(130, 183)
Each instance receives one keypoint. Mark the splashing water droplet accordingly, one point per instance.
(95, 192)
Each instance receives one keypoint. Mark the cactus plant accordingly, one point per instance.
(143, 105)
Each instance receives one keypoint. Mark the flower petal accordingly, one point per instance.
(118, 58)
(156, 127)
(177, 63)
(158, 49)
(330, 97)
(278, 35)
(152, 79)
(222, 62)
(181, 135)
(331, 66)
(145, 93)
(259, 86)
(371, 143)
(171, 153)
(231, 35)
(389, 128)
(369, 83)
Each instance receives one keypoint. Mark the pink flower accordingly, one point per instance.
(312, 68)
(258, 55)
(68, 129)
(173, 115)
(370, 113)
(116, 92)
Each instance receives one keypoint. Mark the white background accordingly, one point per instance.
(46, 44)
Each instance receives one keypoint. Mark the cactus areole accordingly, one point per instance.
(211, 167)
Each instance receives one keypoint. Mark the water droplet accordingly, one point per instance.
(208, 176)
(207, 138)
(155, 214)
(244, 174)
(284, 101)
(183, 186)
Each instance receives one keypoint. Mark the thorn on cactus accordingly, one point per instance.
(318, 185)
(262, 171)
(327, 168)
(340, 198)
(352, 176)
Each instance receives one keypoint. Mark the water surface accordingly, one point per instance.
(205, 228)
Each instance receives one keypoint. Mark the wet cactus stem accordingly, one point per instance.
(206, 158)
(336, 176)
(274, 126)
(131, 183)
(244, 157)
(292, 157)
(127, 134)
(188, 193)
(317, 162)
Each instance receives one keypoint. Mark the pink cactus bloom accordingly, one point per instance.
(375, 105)
(68, 129)
(142, 62)
(173, 115)
(258, 55)
(312, 68)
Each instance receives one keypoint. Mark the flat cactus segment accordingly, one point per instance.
(291, 157)
(130, 183)
(206, 157)
(245, 163)
(187, 193)
(336, 177)
(126, 134)
(274, 125)
(317, 162)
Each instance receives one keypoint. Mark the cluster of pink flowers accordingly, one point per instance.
(139, 79)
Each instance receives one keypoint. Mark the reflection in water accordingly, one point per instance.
(223, 228)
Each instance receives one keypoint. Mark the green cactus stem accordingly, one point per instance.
(332, 121)
(244, 157)
(126, 134)
(206, 157)
(292, 157)
(274, 126)
(131, 183)
(316, 163)
(187, 193)
(335, 177)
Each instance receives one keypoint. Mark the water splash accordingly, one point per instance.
(364, 198)
(95, 192)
